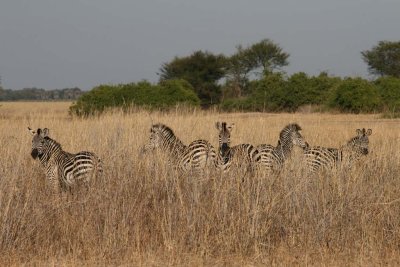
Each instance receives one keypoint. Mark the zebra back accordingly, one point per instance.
(195, 157)
(329, 158)
(272, 158)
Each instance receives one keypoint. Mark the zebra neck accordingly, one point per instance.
(174, 145)
(224, 149)
(51, 147)
(224, 155)
(285, 148)
(350, 151)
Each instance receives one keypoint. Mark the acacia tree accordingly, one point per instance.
(202, 70)
(260, 58)
(383, 59)
(238, 68)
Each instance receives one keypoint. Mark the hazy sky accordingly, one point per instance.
(58, 44)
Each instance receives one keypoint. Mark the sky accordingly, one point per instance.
(83, 43)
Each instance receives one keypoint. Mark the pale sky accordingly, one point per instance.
(67, 43)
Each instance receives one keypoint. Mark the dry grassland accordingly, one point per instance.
(143, 213)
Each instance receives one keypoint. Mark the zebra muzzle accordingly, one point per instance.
(34, 153)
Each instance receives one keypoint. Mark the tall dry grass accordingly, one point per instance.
(142, 212)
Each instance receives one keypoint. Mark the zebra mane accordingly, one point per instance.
(292, 127)
(163, 127)
(52, 141)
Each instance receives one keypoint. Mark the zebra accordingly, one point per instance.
(63, 169)
(271, 158)
(329, 158)
(195, 157)
(227, 155)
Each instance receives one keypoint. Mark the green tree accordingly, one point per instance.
(268, 93)
(202, 70)
(267, 56)
(260, 58)
(356, 95)
(238, 68)
(383, 59)
(389, 89)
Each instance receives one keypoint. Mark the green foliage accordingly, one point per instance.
(268, 93)
(389, 90)
(275, 92)
(202, 70)
(383, 59)
(238, 104)
(260, 58)
(356, 95)
(266, 55)
(165, 95)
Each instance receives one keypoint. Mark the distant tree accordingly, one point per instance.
(383, 59)
(389, 89)
(262, 58)
(202, 70)
(356, 95)
(267, 56)
(238, 68)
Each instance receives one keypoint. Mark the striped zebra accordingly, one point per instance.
(330, 158)
(63, 170)
(242, 154)
(272, 158)
(195, 157)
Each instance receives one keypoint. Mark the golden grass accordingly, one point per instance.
(143, 213)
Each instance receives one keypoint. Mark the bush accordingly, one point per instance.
(389, 90)
(144, 94)
(268, 93)
(356, 95)
(275, 93)
(237, 104)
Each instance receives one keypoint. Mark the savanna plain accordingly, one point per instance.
(143, 212)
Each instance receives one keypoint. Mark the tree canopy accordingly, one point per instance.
(383, 59)
(202, 70)
(261, 58)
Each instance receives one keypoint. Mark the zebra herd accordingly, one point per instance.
(64, 170)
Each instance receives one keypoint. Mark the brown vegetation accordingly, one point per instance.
(143, 212)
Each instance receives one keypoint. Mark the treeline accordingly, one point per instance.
(40, 94)
(164, 95)
(277, 92)
(252, 79)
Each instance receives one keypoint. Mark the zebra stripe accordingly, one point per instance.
(63, 169)
(242, 154)
(196, 156)
(272, 158)
(330, 158)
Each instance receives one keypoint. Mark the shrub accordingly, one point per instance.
(165, 95)
(389, 90)
(356, 95)
(237, 104)
(268, 93)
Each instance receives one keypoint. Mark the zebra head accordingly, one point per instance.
(290, 135)
(161, 136)
(38, 141)
(224, 135)
(359, 143)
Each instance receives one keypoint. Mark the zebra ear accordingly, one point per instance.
(218, 126)
(369, 132)
(230, 126)
(45, 132)
(31, 131)
(359, 132)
